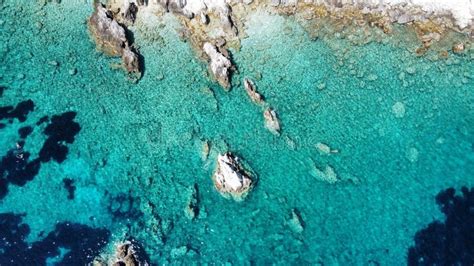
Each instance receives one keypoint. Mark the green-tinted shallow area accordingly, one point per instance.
(403, 127)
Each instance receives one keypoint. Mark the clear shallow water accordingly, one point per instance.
(139, 149)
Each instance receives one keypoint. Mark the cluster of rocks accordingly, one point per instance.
(207, 25)
(110, 38)
(272, 123)
(446, 12)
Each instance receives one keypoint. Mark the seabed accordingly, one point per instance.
(373, 164)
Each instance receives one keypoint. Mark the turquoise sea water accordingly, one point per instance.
(403, 126)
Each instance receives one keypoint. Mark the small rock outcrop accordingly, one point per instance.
(111, 39)
(252, 92)
(125, 254)
(231, 179)
(219, 65)
(271, 121)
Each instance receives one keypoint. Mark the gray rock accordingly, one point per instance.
(219, 65)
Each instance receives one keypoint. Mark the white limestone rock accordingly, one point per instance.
(219, 65)
(231, 179)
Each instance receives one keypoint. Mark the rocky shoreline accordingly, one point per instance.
(214, 26)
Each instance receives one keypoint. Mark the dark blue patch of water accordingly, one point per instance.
(450, 242)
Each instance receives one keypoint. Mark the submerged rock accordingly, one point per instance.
(219, 64)
(252, 92)
(324, 148)
(179, 252)
(398, 109)
(192, 207)
(271, 121)
(412, 154)
(231, 179)
(111, 39)
(327, 175)
(296, 222)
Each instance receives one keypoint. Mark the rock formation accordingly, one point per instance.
(231, 179)
(111, 39)
(126, 254)
(296, 222)
(219, 65)
(131, 12)
(252, 92)
(323, 148)
(271, 121)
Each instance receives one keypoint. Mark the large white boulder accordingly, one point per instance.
(230, 178)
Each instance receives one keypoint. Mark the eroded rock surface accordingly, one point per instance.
(252, 91)
(219, 65)
(110, 38)
(231, 179)
(126, 254)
